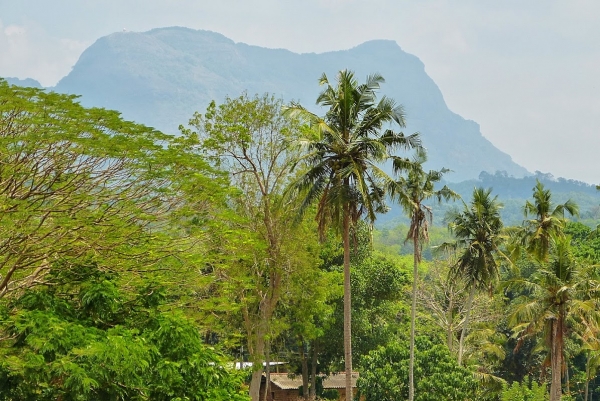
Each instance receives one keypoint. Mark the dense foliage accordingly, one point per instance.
(89, 336)
(440, 378)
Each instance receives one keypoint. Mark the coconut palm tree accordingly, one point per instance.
(410, 191)
(557, 291)
(342, 153)
(547, 222)
(478, 236)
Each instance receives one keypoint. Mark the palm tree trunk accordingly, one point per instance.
(347, 305)
(413, 313)
(463, 333)
(556, 361)
(587, 377)
(587, 389)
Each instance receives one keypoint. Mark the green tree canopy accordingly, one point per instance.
(249, 139)
(385, 374)
(87, 335)
(79, 183)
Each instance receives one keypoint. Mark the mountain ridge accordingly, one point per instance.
(162, 76)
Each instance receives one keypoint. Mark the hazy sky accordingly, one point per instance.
(528, 71)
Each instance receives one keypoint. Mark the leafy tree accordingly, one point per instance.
(559, 290)
(78, 183)
(385, 373)
(585, 241)
(522, 392)
(378, 284)
(308, 311)
(478, 236)
(249, 139)
(88, 335)
(411, 190)
(342, 175)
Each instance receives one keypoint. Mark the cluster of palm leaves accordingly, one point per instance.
(560, 296)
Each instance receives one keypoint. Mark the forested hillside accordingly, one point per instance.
(513, 193)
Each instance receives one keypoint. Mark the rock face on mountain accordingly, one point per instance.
(161, 77)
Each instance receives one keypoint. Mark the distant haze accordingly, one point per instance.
(525, 71)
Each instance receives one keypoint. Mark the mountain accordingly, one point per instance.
(27, 82)
(161, 77)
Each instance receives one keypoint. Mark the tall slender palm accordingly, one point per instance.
(557, 290)
(410, 191)
(342, 176)
(478, 235)
(547, 222)
(589, 335)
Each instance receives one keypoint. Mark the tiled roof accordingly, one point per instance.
(335, 380)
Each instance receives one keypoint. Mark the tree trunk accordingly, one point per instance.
(587, 377)
(587, 389)
(255, 385)
(347, 305)
(567, 379)
(257, 350)
(463, 333)
(413, 314)
(556, 361)
(313, 372)
(267, 369)
(450, 334)
(304, 358)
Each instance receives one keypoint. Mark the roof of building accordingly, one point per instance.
(245, 365)
(334, 380)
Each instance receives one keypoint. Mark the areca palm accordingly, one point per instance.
(410, 191)
(558, 290)
(342, 152)
(546, 223)
(478, 235)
